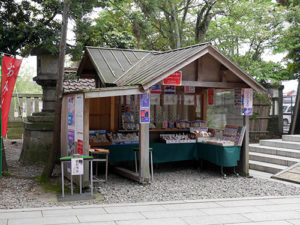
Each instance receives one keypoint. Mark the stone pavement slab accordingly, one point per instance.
(110, 217)
(264, 223)
(168, 221)
(265, 216)
(230, 210)
(15, 215)
(279, 207)
(294, 222)
(44, 221)
(127, 209)
(73, 212)
(191, 205)
(241, 211)
(215, 219)
(173, 213)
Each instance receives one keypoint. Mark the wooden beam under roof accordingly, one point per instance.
(209, 84)
(113, 91)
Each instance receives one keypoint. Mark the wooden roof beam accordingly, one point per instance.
(214, 84)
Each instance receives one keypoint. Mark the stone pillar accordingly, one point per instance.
(38, 129)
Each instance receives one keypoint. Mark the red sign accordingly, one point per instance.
(210, 96)
(10, 70)
(173, 79)
(80, 147)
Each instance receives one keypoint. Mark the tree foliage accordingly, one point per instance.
(247, 31)
(290, 40)
(30, 23)
(243, 30)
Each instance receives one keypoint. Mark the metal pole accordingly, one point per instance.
(1, 124)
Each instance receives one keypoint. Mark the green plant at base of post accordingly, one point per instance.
(1, 122)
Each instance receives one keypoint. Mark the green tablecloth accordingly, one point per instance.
(219, 155)
(173, 152)
(120, 153)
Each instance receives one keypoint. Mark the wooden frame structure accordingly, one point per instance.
(202, 66)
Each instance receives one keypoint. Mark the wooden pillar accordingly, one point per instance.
(245, 148)
(64, 127)
(86, 130)
(144, 153)
(112, 113)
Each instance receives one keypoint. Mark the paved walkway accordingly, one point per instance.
(247, 211)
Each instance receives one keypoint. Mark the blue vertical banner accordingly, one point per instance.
(145, 108)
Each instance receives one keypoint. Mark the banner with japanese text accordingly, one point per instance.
(10, 70)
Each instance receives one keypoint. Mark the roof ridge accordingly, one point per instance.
(123, 49)
(183, 48)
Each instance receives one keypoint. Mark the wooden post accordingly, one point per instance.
(86, 130)
(112, 113)
(204, 104)
(245, 148)
(64, 127)
(144, 153)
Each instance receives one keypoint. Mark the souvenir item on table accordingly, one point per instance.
(198, 126)
(240, 136)
(177, 138)
(230, 133)
(128, 120)
(164, 124)
(123, 138)
(220, 142)
(98, 137)
(171, 124)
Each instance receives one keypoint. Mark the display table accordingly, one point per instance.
(161, 152)
(227, 156)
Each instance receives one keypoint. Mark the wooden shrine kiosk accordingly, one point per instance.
(156, 99)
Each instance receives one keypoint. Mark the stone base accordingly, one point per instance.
(37, 138)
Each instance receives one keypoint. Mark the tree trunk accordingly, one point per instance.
(4, 162)
(59, 89)
(176, 26)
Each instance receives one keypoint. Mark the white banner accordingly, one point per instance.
(77, 166)
(247, 101)
(78, 117)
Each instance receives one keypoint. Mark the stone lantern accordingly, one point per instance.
(38, 129)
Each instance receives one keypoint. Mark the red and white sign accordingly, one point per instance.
(210, 96)
(10, 70)
(173, 79)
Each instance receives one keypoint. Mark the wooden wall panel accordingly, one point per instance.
(100, 113)
(189, 71)
(105, 114)
(208, 69)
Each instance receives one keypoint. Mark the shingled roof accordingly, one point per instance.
(130, 67)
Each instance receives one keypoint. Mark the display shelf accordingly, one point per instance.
(124, 131)
(169, 129)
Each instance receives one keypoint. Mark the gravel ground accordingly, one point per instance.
(171, 182)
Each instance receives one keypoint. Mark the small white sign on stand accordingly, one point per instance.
(77, 166)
